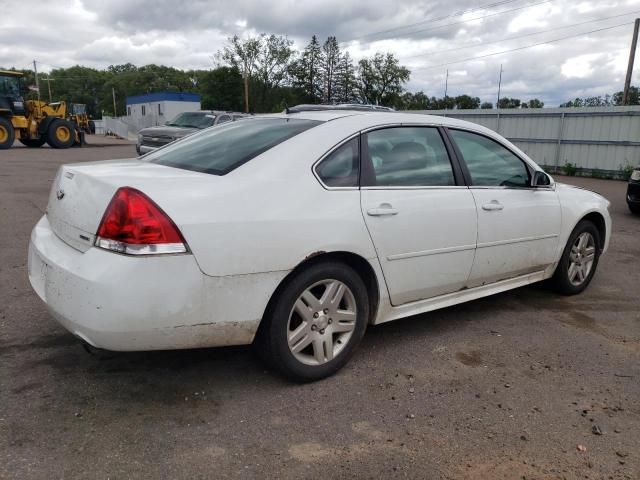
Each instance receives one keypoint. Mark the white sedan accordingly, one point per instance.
(295, 231)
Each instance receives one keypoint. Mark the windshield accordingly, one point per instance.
(223, 148)
(193, 120)
(78, 108)
(9, 86)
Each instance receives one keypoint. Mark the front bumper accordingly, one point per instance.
(633, 193)
(124, 303)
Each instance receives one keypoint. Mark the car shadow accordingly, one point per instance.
(65, 355)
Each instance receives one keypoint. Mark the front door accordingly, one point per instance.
(421, 218)
(518, 226)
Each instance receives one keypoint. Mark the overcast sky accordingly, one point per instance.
(423, 34)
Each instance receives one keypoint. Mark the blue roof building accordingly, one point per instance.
(158, 108)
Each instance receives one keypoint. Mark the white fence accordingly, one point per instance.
(120, 128)
(605, 139)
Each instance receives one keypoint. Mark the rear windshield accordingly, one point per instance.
(218, 150)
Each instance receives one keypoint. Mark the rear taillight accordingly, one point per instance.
(135, 225)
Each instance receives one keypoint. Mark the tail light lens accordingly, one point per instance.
(134, 224)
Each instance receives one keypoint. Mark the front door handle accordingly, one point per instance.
(492, 205)
(383, 209)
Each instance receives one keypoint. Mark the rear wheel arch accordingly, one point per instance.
(358, 263)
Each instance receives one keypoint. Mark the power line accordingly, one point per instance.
(472, 45)
(432, 20)
(422, 30)
(520, 48)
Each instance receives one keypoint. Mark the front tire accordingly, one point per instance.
(634, 208)
(316, 322)
(61, 134)
(7, 133)
(579, 260)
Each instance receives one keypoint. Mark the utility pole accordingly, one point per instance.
(446, 87)
(113, 94)
(35, 71)
(499, 86)
(498, 102)
(49, 80)
(632, 56)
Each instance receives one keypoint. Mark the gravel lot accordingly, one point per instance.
(504, 387)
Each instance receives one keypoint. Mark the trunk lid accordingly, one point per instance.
(81, 192)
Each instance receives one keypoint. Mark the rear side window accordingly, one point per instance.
(489, 163)
(341, 167)
(408, 157)
(221, 149)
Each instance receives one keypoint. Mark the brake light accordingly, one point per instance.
(134, 224)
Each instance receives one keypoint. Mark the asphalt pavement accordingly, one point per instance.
(521, 385)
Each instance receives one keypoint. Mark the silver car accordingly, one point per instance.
(182, 125)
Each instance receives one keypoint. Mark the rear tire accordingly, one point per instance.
(315, 323)
(32, 143)
(634, 209)
(579, 260)
(61, 134)
(7, 133)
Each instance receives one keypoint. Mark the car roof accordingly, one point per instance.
(377, 117)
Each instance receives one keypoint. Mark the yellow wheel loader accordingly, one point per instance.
(33, 122)
(78, 115)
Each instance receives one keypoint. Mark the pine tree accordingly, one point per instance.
(306, 71)
(346, 80)
(329, 62)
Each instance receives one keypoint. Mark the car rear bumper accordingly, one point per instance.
(124, 303)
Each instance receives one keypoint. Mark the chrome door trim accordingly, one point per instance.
(516, 240)
(435, 251)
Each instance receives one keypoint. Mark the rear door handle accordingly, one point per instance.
(492, 205)
(383, 209)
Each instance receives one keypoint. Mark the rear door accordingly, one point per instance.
(518, 226)
(421, 217)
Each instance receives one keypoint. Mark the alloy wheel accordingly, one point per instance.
(321, 322)
(581, 258)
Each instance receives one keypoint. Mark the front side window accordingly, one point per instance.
(489, 163)
(341, 168)
(221, 149)
(408, 157)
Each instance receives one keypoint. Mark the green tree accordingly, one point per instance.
(220, 88)
(465, 102)
(634, 97)
(243, 54)
(486, 105)
(306, 73)
(329, 64)
(345, 80)
(507, 102)
(533, 103)
(381, 79)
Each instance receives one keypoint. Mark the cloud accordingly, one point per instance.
(186, 34)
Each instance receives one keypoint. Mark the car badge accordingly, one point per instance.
(60, 194)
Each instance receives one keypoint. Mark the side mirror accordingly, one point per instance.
(541, 180)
